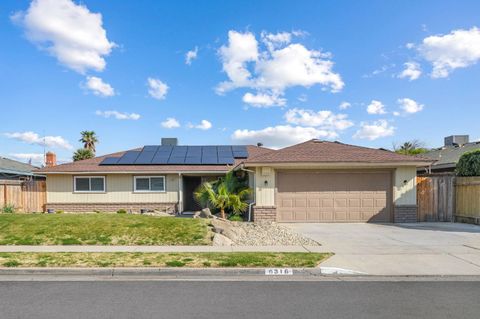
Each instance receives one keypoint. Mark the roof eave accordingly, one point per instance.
(338, 164)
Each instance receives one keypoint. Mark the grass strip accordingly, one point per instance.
(194, 260)
(101, 229)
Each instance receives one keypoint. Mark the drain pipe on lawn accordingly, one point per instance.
(254, 187)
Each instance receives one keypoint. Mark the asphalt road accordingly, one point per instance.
(182, 300)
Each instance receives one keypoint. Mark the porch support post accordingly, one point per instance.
(180, 193)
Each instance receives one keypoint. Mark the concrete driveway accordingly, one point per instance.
(398, 249)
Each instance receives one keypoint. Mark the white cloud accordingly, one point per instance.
(458, 49)
(69, 32)
(191, 55)
(33, 138)
(372, 131)
(280, 66)
(410, 106)
(281, 135)
(157, 89)
(242, 48)
(118, 115)
(204, 125)
(263, 100)
(295, 65)
(323, 119)
(36, 158)
(412, 71)
(98, 87)
(170, 123)
(376, 107)
(344, 105)
(275, 40)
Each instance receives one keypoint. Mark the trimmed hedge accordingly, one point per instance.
(469, 164)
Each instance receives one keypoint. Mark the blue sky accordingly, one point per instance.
(260, 71)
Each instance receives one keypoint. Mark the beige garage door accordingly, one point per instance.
(340, 196)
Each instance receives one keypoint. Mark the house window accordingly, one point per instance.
(149, 183)
(90, 184)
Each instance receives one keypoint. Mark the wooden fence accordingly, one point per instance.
(26, 196)
(436, 198)
(468, 198)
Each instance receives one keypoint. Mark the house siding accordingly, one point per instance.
(405, 193)
(119, 189)
(265, 186)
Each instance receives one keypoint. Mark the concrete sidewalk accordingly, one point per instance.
(157, 249)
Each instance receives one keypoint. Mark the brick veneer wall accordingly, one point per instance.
(111, 207)
(264, 213)
(405, 214)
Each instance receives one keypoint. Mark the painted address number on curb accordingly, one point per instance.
(278, 271)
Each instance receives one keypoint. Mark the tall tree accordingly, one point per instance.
(89, 139)
(82, 153)
(413, 147)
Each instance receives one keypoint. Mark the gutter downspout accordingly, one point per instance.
(254, 193)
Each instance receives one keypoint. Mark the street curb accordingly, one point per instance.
(248, 274)
(157, 272)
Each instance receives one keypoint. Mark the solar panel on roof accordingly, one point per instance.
(193, 160)
(240, 154)
(180, 155)
(239, 148)
(150, 148)
(145, 157)
(226, 160)
(159, 160)
(128, 158)
(110, 161)
(179, 151)
(225, 153)
(209, 160)
(176, 160)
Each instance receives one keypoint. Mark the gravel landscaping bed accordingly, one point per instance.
(258, 234)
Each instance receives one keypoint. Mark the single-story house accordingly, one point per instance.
(314, 181)
(447, 156)
(15, 170)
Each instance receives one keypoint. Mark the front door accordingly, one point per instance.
(190, 184)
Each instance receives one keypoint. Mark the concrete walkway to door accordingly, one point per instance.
(398, 249)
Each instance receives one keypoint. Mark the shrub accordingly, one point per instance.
(8, 209)
(121, 211)
(59, 212)
(469, 164)
(235, 218)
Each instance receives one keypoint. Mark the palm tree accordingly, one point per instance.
(89, 138)
(413, 147)
(225, 193)
(82, 153)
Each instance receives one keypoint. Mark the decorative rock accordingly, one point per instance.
(206, 213)
(260, 234)
(220, 240)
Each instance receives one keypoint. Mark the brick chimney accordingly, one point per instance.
(50, 159)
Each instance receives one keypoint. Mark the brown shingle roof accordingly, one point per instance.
(92, 165)
(316, 151)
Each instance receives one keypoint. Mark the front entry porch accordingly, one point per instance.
(188, 184)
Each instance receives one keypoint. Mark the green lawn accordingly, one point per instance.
(249, 259)
(101, 229)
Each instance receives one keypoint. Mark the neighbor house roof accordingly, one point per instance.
(317, 151)
(9, 166)
(93, 165)
(447, 157)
